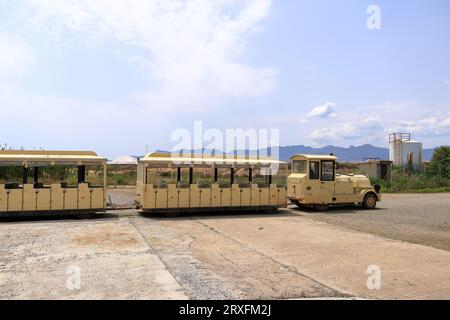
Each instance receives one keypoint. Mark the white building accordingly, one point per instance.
(124, 160)
(403, 150)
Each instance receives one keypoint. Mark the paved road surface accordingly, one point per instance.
(416, 218)
(293, 254)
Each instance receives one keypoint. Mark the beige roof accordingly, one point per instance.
(199, 159)
(40, 157)
(375, 161)
(313, 157)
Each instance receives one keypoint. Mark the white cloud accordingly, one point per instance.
(191, 49)
(446, 83)
(325, 111)
(15, 56)
(372, 124)
(437, 125)
(114, 128)
(348, 131)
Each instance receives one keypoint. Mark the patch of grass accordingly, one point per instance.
(121, 175)
(436, 190)
(429, 190)
(403, 181)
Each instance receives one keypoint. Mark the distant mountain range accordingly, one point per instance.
(350, 154)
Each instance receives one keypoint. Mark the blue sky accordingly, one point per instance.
(115, 76)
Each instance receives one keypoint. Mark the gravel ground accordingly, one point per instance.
(287, 255)
(415, 218)
(40, 259)
(122, 196)
(210, 265)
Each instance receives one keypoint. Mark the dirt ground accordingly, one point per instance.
(415, 218)
(289, 255)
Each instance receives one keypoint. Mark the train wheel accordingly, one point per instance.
(370, 201)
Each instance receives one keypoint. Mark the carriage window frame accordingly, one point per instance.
(203, 175)
(317, 176)
(279, 177)
(243, 179)
(295, 164)
(322, 171)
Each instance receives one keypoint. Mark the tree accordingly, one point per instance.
(440, 163)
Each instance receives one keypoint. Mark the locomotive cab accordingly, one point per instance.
(313, 182)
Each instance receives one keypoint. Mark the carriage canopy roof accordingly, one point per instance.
(313, 157)
(31, 158)
(208, 160)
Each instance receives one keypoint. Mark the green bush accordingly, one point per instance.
(402, 180)
(119, 180)
(435, 177)
(440, 164)
(119, 177)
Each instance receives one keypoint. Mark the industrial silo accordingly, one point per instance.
(404, 152)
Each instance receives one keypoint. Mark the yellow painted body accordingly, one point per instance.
(57, 197)
(25, 198)
(3, 199)
(52, 198)
(29, 198)
(194, 197)
(215, 196)
(343, 189)
(14, 200)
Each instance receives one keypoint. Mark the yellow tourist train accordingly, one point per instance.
(75, 182)
(28, 189)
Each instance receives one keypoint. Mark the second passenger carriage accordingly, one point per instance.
(194, 183)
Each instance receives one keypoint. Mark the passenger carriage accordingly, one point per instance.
(27, 187)
(167, 183)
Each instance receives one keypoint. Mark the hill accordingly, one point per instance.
(350, 154)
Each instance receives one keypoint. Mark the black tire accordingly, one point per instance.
(370, 201)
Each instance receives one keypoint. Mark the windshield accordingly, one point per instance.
(299, 166)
